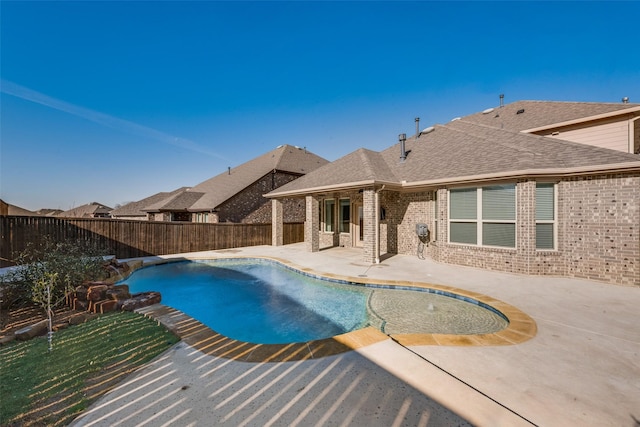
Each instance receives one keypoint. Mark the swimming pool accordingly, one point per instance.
(261, 301)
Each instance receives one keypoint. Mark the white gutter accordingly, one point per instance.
(328, 188)
(584, 119)
(528, 173)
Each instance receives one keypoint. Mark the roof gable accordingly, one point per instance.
(139, 208)
(360, 166)
(285, 158)
(86, 211)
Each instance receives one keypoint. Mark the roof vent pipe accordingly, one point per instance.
(625, 100)
(501, 100)
(403, 153)
(229, 169)
(417, 119)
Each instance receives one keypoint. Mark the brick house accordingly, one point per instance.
(90, 210)
(136, 210)
(236, 195)
(541, 188)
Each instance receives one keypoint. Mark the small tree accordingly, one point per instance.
(48, 272)
(41, 294)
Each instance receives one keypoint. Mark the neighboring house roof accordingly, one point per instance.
(89, 210)
(538, 114)
(138, 208)
(460, 151)
(178, 202)
(49, 212)
(17, 210)
(211, 193)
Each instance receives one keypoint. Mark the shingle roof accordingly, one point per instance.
(536, 114)
(138, 208)
(211, 193)
(86, 211)
(285, 158)
(459, 150)
(359, 166)
(17, 210)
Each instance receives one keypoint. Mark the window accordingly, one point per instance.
(329, 210)
(545, 216)
(484, 216)
(345, 215)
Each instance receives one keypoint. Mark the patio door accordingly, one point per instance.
(358, 227)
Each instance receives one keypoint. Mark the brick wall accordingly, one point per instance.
(598, 220)
(249, 206)
(600, 217)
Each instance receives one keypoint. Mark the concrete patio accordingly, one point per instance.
(582, 367)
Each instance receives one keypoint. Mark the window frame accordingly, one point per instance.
(342, 223)
(328, 226)
(480, 213)
(554, 221)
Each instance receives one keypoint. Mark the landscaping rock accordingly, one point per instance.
(34, 330)
(105, 306)
(78, 318)
(118, 293)
(80, 305)
(141, 300)
(6, 339)
(97, 292)
(81, 292)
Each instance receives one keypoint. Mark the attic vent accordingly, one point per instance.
(520, 111)
(487, 111)
(427, 130)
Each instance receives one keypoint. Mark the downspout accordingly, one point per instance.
(376, 206)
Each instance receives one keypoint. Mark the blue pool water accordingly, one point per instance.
(260, 301)
(255, 301)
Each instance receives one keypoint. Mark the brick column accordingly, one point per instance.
(525, 226)
(277, 223)
(312, 224)
(369, 224)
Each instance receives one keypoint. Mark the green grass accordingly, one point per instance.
(42, 388)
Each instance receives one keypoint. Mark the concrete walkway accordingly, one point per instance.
(582, 367)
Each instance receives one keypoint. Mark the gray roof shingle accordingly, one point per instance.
(543, 113)
(138, 208)
(86, 211)
(285, 158)
(463, 149)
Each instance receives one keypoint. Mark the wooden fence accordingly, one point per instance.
(129, 239)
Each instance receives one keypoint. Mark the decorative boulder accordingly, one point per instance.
(141, 300)
(118, 293)
(34, 330)
(97, 292)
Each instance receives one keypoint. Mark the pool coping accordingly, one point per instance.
(521, 327)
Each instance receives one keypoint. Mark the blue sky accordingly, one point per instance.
(116, 101)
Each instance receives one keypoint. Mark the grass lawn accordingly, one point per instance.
(42, 388)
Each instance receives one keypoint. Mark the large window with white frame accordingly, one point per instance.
(329, 214)
(546, 228)
(483, 216)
